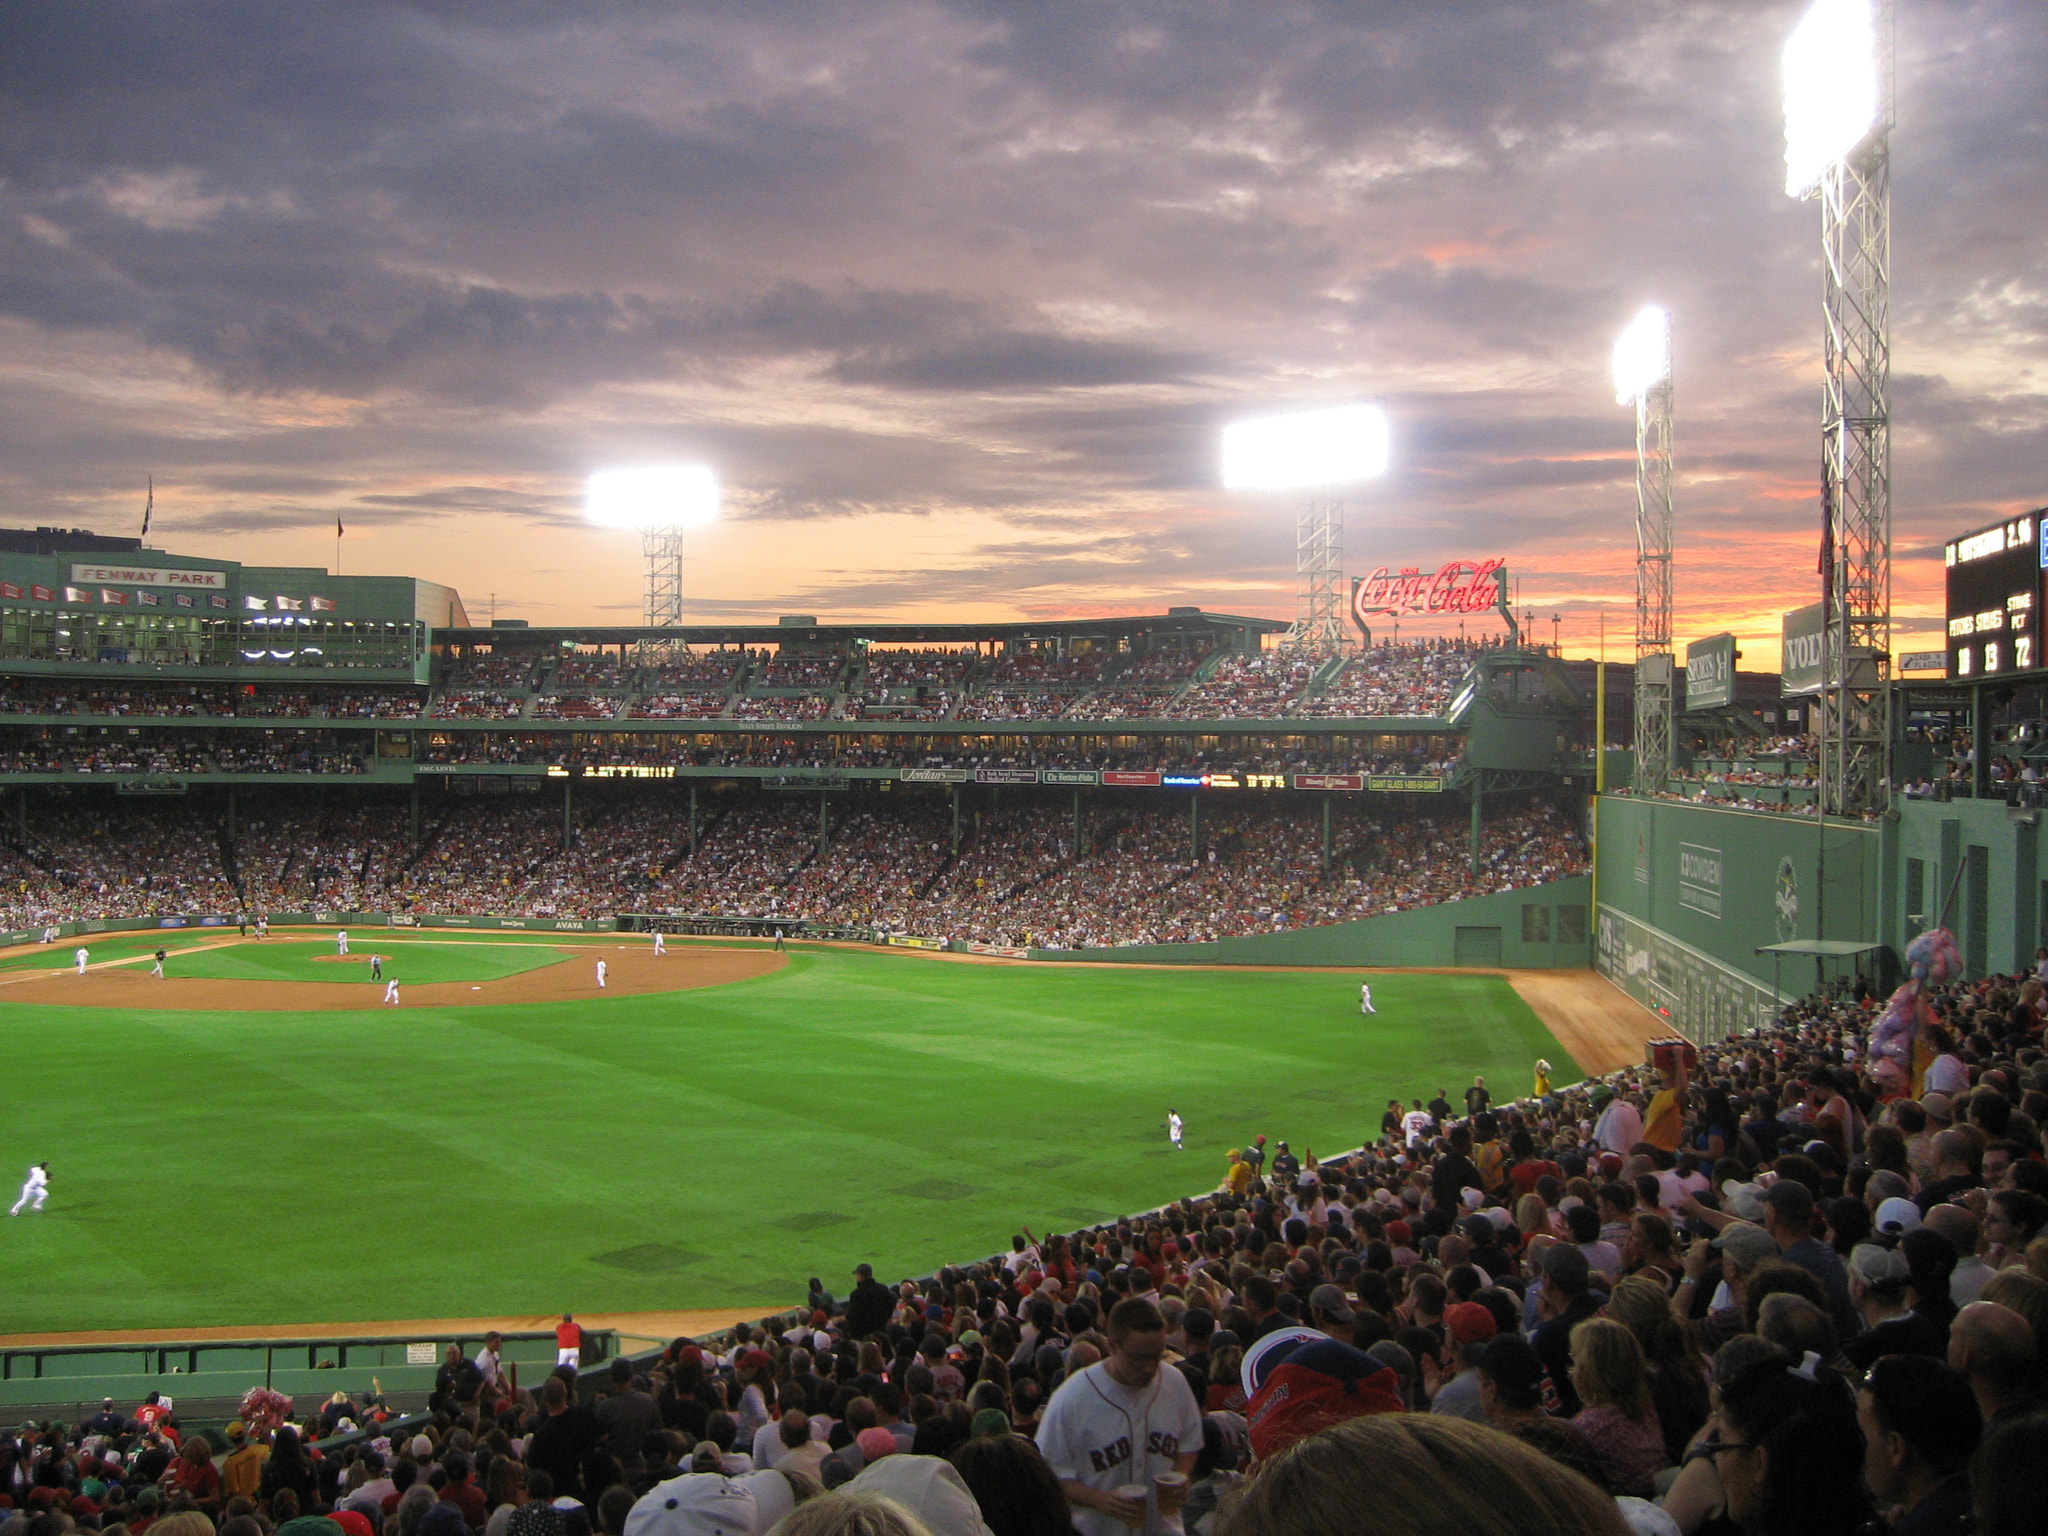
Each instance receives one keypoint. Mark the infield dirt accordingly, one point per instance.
(631, 971)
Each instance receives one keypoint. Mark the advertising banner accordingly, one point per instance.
(1119, 779)
(935, 775)
(1006, 775)
(1456, 586)
(1804, 636)
(1405, 783)
(1329, 781)
(1069, 776)
(1710, 673)
(1007, 951)
(912, 941)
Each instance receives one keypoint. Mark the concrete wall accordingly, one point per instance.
(1977, 862)
(1543, 926)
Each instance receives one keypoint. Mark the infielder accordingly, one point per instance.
(341, 942)
(1173, 1130)
(660, 942)
(81, 955)
(601, 969)
(157, 969)
(36, 1187)
(391, 992)
(1365, 998)
(262, 926)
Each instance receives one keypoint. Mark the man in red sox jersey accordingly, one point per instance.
(1122, 1422)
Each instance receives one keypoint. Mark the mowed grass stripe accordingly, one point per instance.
(679, 1150)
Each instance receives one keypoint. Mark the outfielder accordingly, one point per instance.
(1365, 998)
(36, 1187)
(1173, 1130)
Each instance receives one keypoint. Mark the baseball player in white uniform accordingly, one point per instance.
(1365, 998)
(660, 942)
(391, 992)
(1173, 1130)
(35, 1187)
(341, 942)
(601, 969)
(1117, 1425)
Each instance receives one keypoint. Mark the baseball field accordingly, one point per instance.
(258, 1139)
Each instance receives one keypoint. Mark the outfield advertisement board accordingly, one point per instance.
(1006, 775)
(1710, 673)
(913, 941)
(1329, 781)
(1699, 996)
(936, 775)
(1117, 778)
(1074, 776)
(1405, 783)
(1803, 636)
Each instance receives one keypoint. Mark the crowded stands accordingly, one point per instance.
(887, 864)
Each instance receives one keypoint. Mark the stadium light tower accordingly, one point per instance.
(1838, 121)
(1642, 378)
(659, 501)
(1320, 452)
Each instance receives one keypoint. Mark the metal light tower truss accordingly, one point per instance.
(1856, 480)
(1653, 585)
(1319, 598)
(662, 550)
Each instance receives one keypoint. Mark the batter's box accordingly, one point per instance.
(939, 1189)
(648, 1258)
(810, 1221)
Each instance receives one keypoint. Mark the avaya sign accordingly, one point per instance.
(1457, 586)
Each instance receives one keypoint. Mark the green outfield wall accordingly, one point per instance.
(1541, 926)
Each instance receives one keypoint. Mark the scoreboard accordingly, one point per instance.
(1994, 598)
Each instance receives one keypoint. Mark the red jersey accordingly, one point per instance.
(568, 1336)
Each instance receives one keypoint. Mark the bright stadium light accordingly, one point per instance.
(1832, 88)
(659, 501)
(652, 496)
(1328, 447)
(1642, 355)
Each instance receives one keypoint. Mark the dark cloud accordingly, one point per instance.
(1005, 262)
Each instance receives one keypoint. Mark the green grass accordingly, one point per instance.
(704, 1148)
(405, 960)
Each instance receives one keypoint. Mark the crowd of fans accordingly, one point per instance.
(25, 696)
(886, 864)
(1732, 1293)
(1417, 678)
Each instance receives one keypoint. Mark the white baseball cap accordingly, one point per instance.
(698, 1504)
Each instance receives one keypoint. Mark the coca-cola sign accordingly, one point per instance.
(1456, 586)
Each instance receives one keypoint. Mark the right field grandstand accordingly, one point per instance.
(240, 1155)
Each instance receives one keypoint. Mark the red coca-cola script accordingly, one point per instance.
(1457, 586)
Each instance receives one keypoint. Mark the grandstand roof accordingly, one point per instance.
(1174, 621)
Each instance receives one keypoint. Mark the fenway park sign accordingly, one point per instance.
(1456, 586)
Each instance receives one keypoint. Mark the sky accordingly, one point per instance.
(956, 295)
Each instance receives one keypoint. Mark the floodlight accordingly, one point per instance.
(1831, 88)
(1642, 355)
(1326, 447)
(651, 496)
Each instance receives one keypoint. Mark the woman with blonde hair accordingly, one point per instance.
(1678, 1376)
(849, 1514)
(1619, 1417)
(1415, 1474)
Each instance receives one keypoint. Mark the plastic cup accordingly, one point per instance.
(1136, 1493)
(1172, 1490)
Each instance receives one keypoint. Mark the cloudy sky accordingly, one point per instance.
(955, 294)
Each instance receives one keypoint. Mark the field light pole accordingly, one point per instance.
(658, 501)
(1642, 378)
(1839, 112)
(1319, 452)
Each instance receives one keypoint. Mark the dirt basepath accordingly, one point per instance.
(633, 970)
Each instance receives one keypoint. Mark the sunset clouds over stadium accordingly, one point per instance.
(956, 297)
